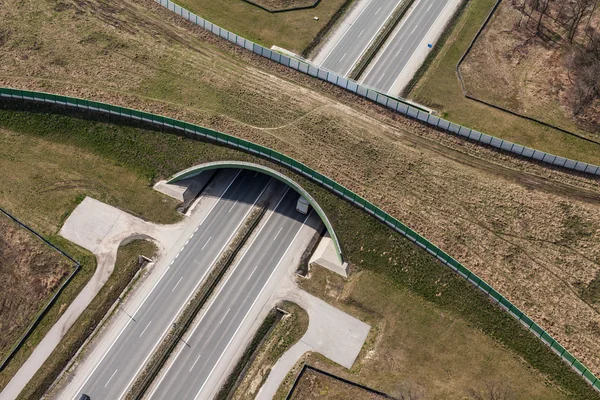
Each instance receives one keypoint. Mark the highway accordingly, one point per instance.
(210, 337)
(398, 50)
(118, 367)
(358, 37)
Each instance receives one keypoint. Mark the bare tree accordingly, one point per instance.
(579, 8)
(584, 74)
(492, 391)
(542, 8)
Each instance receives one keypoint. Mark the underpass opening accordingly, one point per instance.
(198, 169)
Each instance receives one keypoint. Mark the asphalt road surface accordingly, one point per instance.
(118, 367)
(209, 339)
(357, 39)
(398, 50)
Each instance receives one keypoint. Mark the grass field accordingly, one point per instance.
(30, 273)
(416, 346)
(292, 30)
(44, 185)
(440, 88)
(367, 244)
(509, 221)
(314, 385)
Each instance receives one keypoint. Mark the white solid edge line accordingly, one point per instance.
(148, 295)
(347, 30)
(387, 44)
(215, 297)
(278, 232)
(372, 39)
(193, 291)
(423, 40)
(254, 302)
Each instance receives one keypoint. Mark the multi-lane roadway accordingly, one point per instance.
(347, 50)
(211, 336)
(408, 39)
(118, 367)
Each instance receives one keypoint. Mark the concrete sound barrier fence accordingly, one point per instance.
(402, 106)
(332, 186)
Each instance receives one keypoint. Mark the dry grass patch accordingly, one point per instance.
(504, 218)
(30, 273)
(440, 88)
(47, 180)
(292, 30)
(415, 347)
(317, 386)
(511, 67)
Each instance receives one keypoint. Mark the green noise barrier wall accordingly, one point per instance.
(271, 172)
(333, 186)
(399, 105)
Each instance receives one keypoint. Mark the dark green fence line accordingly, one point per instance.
(338, 189)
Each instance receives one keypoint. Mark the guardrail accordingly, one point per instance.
(331, 185)
(50, 302)
(402, 106)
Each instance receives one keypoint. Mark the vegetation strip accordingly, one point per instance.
(381, 38)
(439, 45)
(50, 302)
(142, 262)
(126, 267)
(353, 198)
(164, 350)
(234, 379)
(497, 107)
(367, 242)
